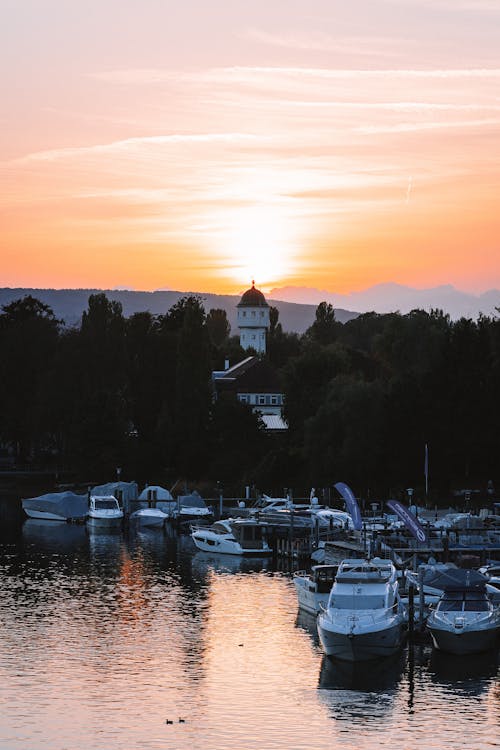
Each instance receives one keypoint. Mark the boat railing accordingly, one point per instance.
(354, 616)
(473, 618)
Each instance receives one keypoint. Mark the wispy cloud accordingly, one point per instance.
(361, 46)
(128, 144)
(250, 74)
(409, 127)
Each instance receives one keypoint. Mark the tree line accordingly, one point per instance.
(362, 398)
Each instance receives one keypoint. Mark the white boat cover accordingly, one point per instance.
(64, 504)
(154, 490)
(128, 490)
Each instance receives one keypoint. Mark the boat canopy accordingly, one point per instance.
(124, 490)
(458, 579)
(155, 492)
(192, 501)
(64, 504)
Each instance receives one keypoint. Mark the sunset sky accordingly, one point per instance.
(195, 146)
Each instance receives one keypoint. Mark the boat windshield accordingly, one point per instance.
(466, 603)
(106, 504)
(357, 601)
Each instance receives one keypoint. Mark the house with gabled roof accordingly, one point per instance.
(254, 381)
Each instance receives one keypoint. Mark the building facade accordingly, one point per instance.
(253, 320)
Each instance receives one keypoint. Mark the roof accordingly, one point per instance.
(253, 298)
(251, 375)
(274, 422)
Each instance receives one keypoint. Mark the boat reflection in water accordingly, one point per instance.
(203, 562)
(358, 693)
(381, 674)
(54, 535)
(307, 622)
(468, 675)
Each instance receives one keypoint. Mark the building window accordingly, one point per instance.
(244, 398)
(262, 313)
(244, 313)
(274, 400)
(253, 313)
(262, 399)
(253, 336)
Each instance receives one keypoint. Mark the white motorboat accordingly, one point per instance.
(313, 589)
(465, 620)
(231, 536)
(364, 618)
(492, 573)
(104, 510)
(150, 517)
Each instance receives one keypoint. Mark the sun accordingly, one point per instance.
(258, 244)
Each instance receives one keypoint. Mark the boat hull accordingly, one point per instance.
(227, 547)
(361, 646)
(149, 520)
(44, 515)
(309, 600)
(105, 521)
(464, 642)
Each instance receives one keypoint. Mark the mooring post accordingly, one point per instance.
(421, 597)
(411, 610)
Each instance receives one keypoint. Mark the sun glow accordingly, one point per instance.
(258, 242)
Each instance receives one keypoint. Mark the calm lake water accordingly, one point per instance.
(106, 636)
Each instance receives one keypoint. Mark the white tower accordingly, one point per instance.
(253, 320)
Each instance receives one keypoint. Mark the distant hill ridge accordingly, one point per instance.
(69, 304)
(391, 297)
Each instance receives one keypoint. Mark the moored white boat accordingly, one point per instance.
(465, 620)
(232, 537)
(313, 589)
(150, 517)
(364, 618)
(104, 510)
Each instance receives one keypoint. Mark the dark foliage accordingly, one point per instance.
(362, 398)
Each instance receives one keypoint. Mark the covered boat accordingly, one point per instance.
(56, 506)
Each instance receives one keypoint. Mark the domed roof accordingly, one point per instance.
(253, 298)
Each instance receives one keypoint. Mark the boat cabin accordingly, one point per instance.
(106, 502)
(323, 578)
(249, 535)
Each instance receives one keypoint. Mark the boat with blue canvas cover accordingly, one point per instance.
(56, 506)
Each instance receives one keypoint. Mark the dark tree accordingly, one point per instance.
(28, 342)
(218, 327)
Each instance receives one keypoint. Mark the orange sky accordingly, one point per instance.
(195, 146)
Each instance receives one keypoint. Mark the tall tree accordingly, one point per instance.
(218, 327)
(28, 342)
(325, 328)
